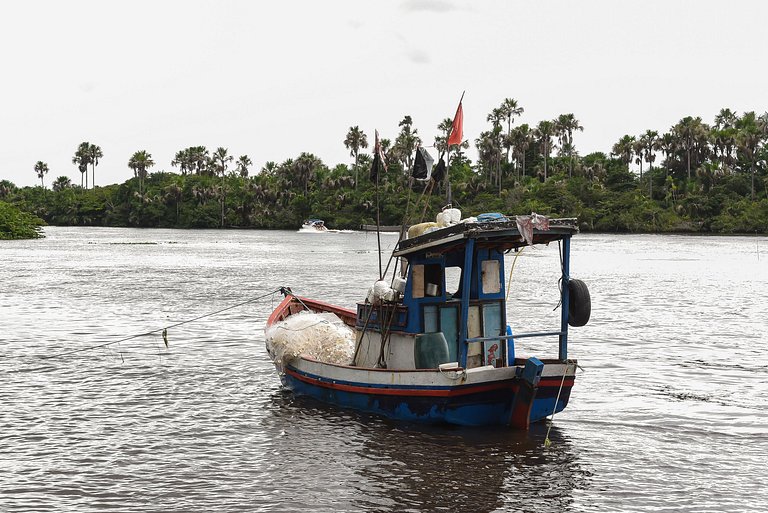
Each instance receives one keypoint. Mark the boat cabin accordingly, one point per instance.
(455, 286)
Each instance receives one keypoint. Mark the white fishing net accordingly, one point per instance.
(322, 336)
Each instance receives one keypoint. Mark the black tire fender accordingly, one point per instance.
(579, 303)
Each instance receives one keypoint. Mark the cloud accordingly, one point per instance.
(428, 6)
(355, 24)
(418, 56)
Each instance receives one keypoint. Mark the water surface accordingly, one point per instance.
(668, 414)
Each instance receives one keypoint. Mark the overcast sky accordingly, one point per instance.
(273, 79)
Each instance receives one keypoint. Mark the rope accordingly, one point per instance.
(512, 268)
(547, 442)
(164, 330)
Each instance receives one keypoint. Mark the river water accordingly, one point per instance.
(668, 414)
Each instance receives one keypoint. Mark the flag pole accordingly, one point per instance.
(378, 224)
(448, 151)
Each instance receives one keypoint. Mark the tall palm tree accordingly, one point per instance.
(565, 125)
(355, 140)
(648, 144)
(41, 168)
(692, 135)
(82, 158)
(543, 134)
(94, 154)
(242, 165)
(509, 109)
(667, 145)
(521, 139)
(220, 160)
(751, 133)
(140, 162)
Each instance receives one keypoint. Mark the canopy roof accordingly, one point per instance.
(502, 235)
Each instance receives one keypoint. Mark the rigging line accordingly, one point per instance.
(160, 330)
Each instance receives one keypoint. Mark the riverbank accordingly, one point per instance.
(617, 202)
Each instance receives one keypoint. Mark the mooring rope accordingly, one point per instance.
(568, 363)
(163, 330)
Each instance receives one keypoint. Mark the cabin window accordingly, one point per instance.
(444, 319)
(449, 325)
(491, 277)
(426, 280)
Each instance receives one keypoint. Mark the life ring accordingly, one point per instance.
(579, 303)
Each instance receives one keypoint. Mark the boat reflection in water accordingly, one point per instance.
(362, 462)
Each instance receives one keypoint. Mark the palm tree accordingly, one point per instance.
(41, 168)
(521, 139)
(140, 162)
(61, 183)
(174, 194)
(667, 145)
(181, 159)
(565, 124)
(355, 140)
(692, 134)
(543, 133)
(751, 132)
(269, 168)
(82, 158)
(624, 149)
(509, 109)
(219, 163)
(94, 154)
(242, 165)
(406, 143)
(305, 168)
(726, 118)
(647, 145)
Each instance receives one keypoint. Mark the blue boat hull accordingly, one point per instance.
(466, 405)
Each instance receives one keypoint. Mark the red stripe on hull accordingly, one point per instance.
(451, 392)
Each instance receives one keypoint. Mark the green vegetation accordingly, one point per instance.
(15, 224)
(693, 178)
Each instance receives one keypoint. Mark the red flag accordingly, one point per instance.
(457, 130)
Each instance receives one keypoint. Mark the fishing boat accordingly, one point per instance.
(313, 226)
(424, 353)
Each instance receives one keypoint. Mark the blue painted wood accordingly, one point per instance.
(466, 286)
(480, 409)
(430, 319)
(510, 346)
(532, 371)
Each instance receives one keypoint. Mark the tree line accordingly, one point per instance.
(699, 178)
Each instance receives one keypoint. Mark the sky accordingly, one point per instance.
(274, 79)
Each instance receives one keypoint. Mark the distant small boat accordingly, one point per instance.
(314, 226)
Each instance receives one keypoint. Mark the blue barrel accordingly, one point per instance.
(430, 350)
